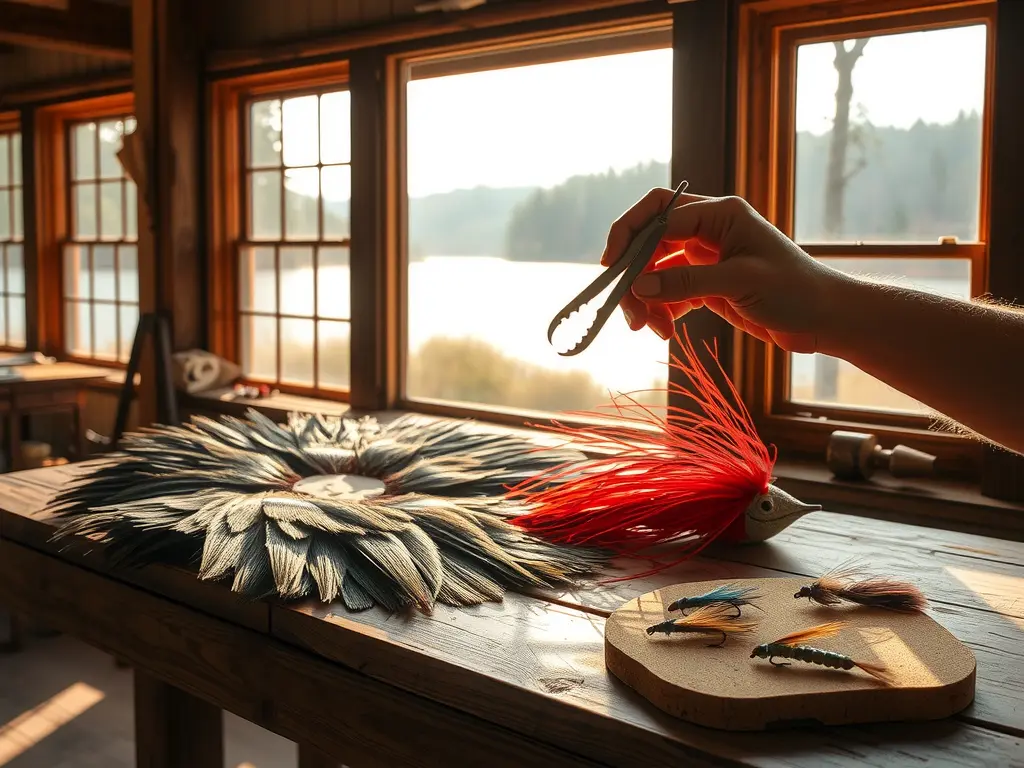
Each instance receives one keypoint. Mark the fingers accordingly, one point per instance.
(699, 253)
(709, 218)
(660, 320)
(685, 283)
(635, 311)
(626, 227)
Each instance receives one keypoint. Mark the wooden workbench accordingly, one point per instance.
(521, 683)
(37, 389)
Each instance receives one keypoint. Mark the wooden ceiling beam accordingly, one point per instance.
(87, 26)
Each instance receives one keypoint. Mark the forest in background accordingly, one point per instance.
(911, 184)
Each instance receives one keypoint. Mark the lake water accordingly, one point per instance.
(505, 303)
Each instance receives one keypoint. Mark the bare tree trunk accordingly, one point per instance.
(826, 369)
(835, 181)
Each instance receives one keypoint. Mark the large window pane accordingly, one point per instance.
(6, 160)
(84, 152)
(514, 176)
(12, 274)
(265, 134)
(100, 272)
(298, 190)
(888, 137)
(822, 380)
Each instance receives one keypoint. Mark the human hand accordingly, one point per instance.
(722, 254)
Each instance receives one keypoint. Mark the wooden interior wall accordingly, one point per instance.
(22, 67)
(245, 23)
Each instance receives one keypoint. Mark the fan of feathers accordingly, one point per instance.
(224, 497)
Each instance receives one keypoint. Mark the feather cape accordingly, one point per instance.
(220, 497)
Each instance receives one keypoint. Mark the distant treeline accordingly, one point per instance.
(919, 183)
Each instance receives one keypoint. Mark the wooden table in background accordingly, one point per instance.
(55, 387)
(520, 683)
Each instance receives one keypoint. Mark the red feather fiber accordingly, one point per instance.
(691, 476)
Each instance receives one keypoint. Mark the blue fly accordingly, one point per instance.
(728, 593)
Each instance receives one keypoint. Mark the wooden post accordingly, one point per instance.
(167, 77)
(174, 729)
(703, 109)
(375, 315)
(1002, 475)
(29, 179)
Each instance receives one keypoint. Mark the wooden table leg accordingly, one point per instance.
(310, 757)
(15, 635)
(174, 729)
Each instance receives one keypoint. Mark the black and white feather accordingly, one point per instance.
(220, 496)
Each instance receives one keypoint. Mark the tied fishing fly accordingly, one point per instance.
(793, 646)
(714, 619)
(728, 594)
(675, 482)
(848, 584)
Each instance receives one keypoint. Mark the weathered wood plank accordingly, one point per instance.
(918, 536)
(945, 577)
(174, 729)
(995, 640)
(30, 490)
(292, 693)
(513, 643)
(543, 671)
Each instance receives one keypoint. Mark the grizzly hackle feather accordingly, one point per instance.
(220, 496)
(851, 584)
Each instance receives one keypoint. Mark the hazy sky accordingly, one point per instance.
(538, 125)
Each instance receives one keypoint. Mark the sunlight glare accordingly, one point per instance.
(31, 727)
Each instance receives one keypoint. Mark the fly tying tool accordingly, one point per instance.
(630, 265)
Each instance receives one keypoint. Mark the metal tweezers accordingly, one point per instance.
(632, 263)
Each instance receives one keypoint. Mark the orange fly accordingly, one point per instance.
(709, 619)
(793, 646)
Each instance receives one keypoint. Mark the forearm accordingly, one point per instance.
(964, 360)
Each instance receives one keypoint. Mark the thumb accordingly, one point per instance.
(684, 283)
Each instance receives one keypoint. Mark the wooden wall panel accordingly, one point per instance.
(32, 66)
(242, 23)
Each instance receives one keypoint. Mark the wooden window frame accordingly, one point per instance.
(10, 123)
(53, 211)
(770, 31)
(532, 43)
(228, 99)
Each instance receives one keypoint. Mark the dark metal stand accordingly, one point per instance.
(158, 326)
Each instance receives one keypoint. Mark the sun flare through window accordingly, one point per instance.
(517, 162)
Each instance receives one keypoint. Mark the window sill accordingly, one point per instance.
(945, 504)
(114, 381)
(276, 406)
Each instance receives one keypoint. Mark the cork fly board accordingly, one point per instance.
(933, 672)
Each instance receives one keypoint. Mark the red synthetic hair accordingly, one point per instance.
(686, 481)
